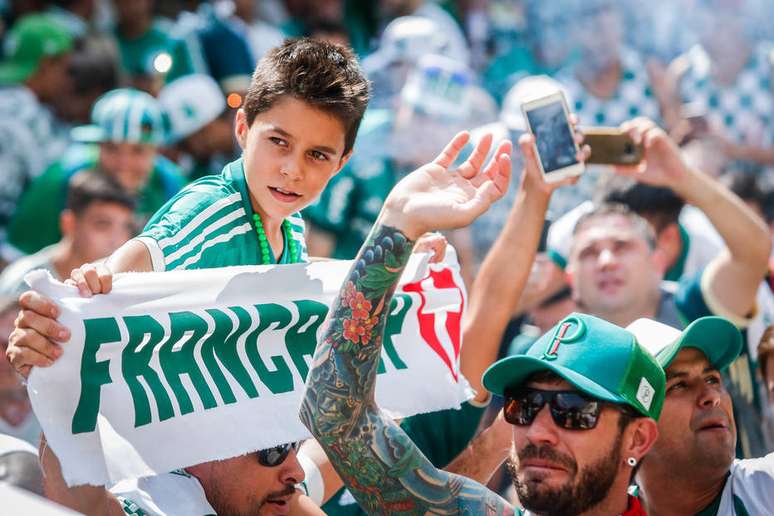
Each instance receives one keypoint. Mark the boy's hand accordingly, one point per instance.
(662, 163)
(433, 197)
(91, 278)
(36, 338)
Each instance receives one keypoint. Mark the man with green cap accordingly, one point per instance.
(32, 75)
(128, 126)
(691, 468)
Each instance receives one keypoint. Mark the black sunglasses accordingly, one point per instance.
(271, 457)
(569, 409)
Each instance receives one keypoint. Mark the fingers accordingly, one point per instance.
(452, 150)
(491, 171)
(434, 243)
(27, 348)
(43, 325)
(37, 302)
(637, 128)
(92, 279)
(473, 164)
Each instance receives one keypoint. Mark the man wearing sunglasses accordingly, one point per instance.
(583, 401)
(691, 468)
(261, 483)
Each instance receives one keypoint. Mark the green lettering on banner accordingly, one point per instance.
(135, 363)
(280, 380)
(94, 374)
(302, 343)
(223, 344)
(176, 363)
(394, 327)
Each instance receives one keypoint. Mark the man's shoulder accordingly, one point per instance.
(12, 278)
(751, 486)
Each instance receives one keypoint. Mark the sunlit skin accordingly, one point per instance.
(553, 465)
(290, 153)
(100, 229)
(130, 164)
(612, 269)
(687, 466)
(242, 485)
(697, 430)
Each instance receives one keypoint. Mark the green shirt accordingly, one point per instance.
(210, 224)
(137, 54)
(35, 223)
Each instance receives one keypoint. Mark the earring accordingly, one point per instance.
(631, 461)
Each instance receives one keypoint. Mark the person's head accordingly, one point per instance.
(94, 72)
(729, 16)
(200, 122)
(99, 215)
(598, 33)
(129, 125)
(766, 361)
(697, 434)
(612, 266)
(553, 309)
(258, 483)
(746, 186)
(439, 100)
(548, 26)
(298, 123)
(658, 205)
(37, 53)
(583, 402)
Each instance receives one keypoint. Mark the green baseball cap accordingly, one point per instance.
(599, 358)
(31, 39)
(125, 115)
(718, 338)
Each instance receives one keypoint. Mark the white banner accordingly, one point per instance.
(178, 368)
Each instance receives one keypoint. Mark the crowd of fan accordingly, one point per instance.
(108, 108)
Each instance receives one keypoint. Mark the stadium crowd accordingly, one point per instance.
(331, 127)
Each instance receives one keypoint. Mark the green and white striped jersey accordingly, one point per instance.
(208, 224)
(749, 489)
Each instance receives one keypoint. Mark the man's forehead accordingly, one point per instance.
(687, 361)
(604, 227)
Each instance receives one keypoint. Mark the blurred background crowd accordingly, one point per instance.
(109, 107)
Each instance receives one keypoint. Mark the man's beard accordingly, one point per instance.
(583, 490)
(226, 507)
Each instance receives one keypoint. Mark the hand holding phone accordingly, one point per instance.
(548, 119)
(611, 146)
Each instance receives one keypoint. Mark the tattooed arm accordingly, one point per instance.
(380, 465)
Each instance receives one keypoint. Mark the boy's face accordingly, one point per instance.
(290, 153)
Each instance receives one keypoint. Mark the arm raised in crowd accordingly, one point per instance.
(500, 282)
(733, 276)
(380, 465)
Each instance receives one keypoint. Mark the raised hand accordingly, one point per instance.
(662, 163)
(434, 197)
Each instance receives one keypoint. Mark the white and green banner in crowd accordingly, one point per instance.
(178, 368)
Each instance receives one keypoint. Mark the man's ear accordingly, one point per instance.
(343, 161)
(642, 434)
(241, 128)
(67, 223)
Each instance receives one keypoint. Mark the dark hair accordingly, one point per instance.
(661, 206)
(744, 185)
(324, 75)
(605, 209)
(92, 186)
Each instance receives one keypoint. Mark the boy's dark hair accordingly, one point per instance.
(324, 75)
(639, 223)
(92, 186)
(661, 206)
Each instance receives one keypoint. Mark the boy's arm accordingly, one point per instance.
(379, 464)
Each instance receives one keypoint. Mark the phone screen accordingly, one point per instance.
(553, 136)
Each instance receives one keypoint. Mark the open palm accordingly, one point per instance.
(436, 197)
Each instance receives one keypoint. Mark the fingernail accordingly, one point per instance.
(49, 362)
(54, 312)
(62, 334)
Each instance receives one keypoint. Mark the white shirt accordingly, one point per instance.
(750, 485)
(168, 494)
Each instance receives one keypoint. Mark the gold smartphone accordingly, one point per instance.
(610, 146)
